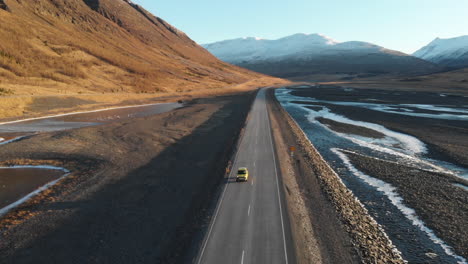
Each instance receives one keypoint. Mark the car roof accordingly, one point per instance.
(242, 168)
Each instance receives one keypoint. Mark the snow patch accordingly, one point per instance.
(3, 142)
(437, 108)
(42, 167)
(391, 192)
(440, 49)
(396, 109)
(412, 144)
(408, 146)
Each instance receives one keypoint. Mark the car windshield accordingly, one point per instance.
(241, 172)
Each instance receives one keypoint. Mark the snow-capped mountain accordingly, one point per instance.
(248, 49)
(451, 52)
(303, 54)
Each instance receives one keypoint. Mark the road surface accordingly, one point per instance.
(250, 224)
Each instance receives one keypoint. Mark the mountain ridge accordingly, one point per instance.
(315, 53)
(451, 52)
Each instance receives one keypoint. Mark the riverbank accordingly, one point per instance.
(402, 192)
(318, 182)
(405, 112)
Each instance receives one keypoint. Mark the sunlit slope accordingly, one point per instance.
(60, 46)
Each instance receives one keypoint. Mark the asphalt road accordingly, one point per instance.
(250, 224)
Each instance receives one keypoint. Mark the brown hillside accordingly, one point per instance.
(100, 46)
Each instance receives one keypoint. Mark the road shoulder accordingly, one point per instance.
(306, 245)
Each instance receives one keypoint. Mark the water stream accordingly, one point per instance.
(20, 183)
(381, 199)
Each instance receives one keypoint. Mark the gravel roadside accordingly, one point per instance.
(138, 191)
(319, 235)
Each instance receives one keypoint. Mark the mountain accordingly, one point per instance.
(304, 54)
(452, 52)
(50, 46)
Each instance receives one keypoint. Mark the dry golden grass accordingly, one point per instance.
(454, 82)
(18, 107)
(13, 106)
(63, 48)
(4, 91)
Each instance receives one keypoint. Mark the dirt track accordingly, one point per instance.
(138, 192)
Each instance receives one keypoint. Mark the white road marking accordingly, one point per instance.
(248, 212)
(217, 208)
(224, 191)
(277, 188)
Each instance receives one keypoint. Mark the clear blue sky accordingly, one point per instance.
(404, 25)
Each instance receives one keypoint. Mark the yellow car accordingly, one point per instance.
(242, 174)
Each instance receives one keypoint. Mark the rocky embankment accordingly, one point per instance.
(367, 236)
